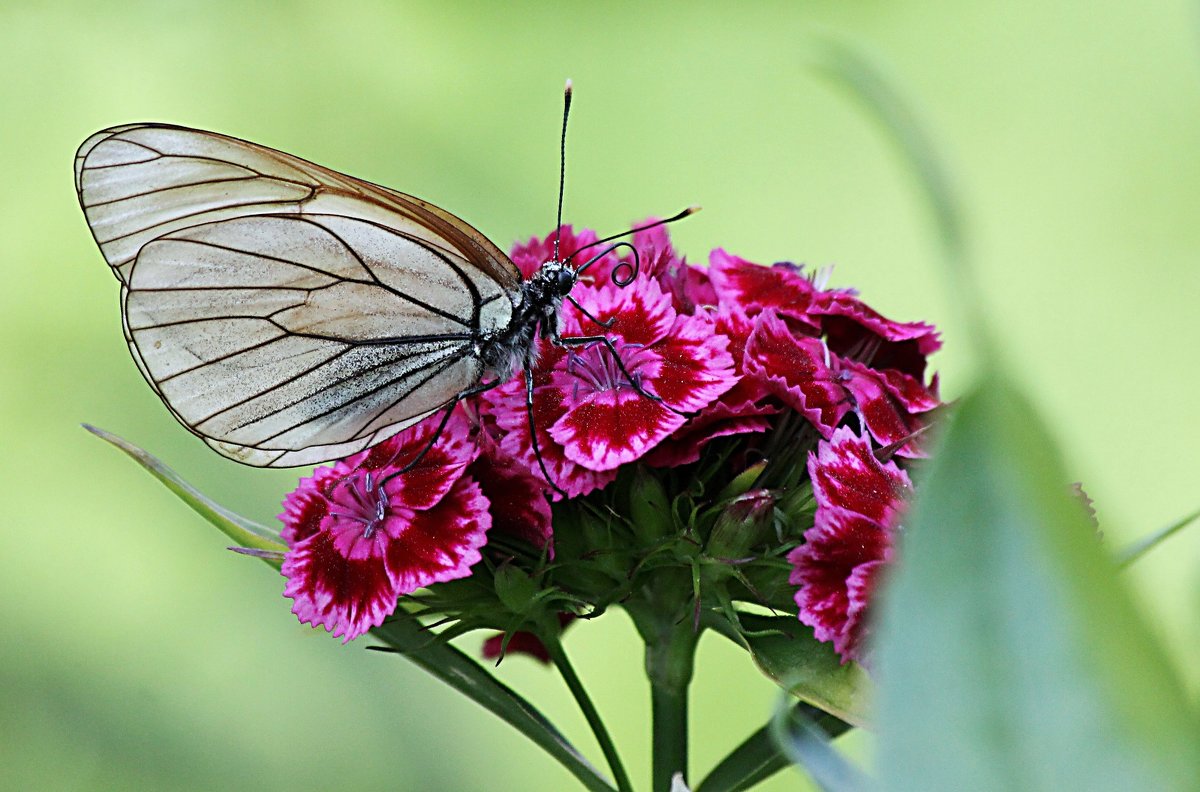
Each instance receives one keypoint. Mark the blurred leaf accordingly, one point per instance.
(759, 757)
(807, 746)
(405, 635)
(1140, 548)
(1009, 655)
(870, 84)
(807, 668)
(245, 532)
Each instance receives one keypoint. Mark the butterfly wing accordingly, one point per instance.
(285, 313)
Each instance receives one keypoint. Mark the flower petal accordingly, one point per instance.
(641, 313)
(696, 365)
(509, 411)
(795, 369)
(431, 478)
(752, 287)
(851, 325)
(846, 475)
(886, 418)
(518, 500)
(835, 570)
(305, 506)
(441, 543)
(612, 427)
(346, 597)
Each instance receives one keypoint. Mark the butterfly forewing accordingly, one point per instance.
(284, 312)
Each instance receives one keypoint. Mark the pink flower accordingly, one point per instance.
(860, 501)
(690, 287)
(855, 330)
(360, 537)
(745, 408)
(590, 416)
(517, 496)
(802, 372)
(753, 288)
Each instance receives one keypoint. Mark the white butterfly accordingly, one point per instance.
(289, 314)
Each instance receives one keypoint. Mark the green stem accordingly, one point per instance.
(559, 656)
(669, 666)
(670, 713)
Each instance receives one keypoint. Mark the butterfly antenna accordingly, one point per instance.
(691, 210)
(562, 166)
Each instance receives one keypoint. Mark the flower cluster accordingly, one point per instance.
(745, 397)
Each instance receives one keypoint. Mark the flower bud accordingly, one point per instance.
(649, 509)
(516, 589)
(744, 523)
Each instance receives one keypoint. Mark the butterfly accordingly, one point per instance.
(288, 314)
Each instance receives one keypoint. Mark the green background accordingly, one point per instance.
(138, 652)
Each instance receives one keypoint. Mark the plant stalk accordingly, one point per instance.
(669, 668)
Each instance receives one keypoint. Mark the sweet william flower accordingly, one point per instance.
(359, 537)
(590, 416)
(860, 501)
(806, 375)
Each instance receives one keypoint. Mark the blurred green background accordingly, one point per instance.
(138, 652)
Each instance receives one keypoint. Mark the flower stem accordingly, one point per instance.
(669, 667)
(559, 656)
(670, 713)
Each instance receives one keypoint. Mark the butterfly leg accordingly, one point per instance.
(537, 451)
(576, 341)
(474, 390)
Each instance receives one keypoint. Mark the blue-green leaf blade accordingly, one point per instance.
(1009, 654)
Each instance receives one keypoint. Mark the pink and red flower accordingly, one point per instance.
(595, 412)
(860, 502)
(360, 535)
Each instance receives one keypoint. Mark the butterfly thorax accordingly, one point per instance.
(536, 312)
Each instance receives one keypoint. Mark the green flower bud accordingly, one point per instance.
(743, 481)
(745, 523)
(516, 589)
(649, 509)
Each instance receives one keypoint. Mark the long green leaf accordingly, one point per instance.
(243, 531)
(405, 635)
(807, 746)
(759, 757)
(1009, 654)
(1139, 548)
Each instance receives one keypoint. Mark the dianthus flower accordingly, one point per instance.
(360, 534)
(758, 361)
(860, 501)
(592, 416)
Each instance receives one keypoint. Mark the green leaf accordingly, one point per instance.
(807, 668)
(1141, 547)
(759, 757)
(873, 86)
(241, 530)
(806, 745)
(405, 635)
(1009, 655)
